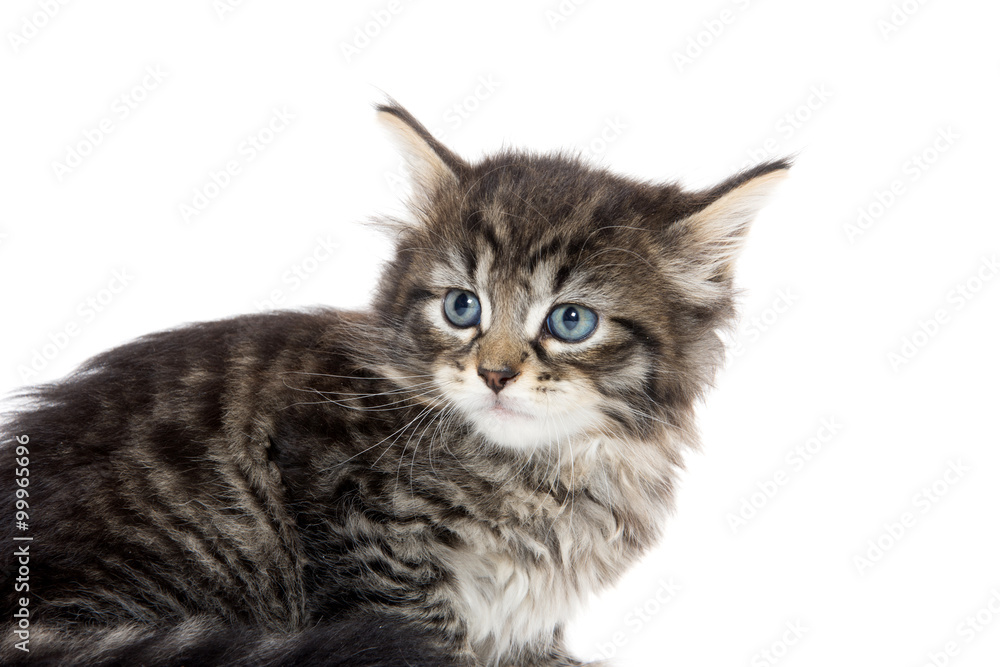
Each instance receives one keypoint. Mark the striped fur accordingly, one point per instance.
(301, 483)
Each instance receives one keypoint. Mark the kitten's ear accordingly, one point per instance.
(431, 163)
(712, 238)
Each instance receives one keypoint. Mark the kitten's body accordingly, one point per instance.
(240, 490)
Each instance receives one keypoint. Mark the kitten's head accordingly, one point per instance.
(543, 299)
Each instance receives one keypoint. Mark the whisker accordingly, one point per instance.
(362, 395)
(358, 377)
(416, 447)
(401, 404)
(400, 434)
(367, 449)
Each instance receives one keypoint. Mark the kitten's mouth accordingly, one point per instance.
(501, 408)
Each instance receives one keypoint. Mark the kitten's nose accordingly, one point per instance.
(497, 380)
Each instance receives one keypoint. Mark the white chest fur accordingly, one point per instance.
(521, 579)
(509, 605)
(514, 594)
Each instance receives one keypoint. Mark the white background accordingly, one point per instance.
(824, 310)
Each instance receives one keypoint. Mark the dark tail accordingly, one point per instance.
(360, 642)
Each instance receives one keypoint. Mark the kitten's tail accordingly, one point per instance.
(360, 642)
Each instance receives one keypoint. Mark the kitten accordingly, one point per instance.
(441, 480)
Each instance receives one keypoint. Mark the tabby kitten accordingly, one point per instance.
(440, 480)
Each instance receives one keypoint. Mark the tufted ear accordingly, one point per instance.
(430, 162)
(712, 237)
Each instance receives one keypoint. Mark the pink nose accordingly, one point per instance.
(497, 380)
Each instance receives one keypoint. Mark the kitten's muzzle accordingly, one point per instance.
(497, 379)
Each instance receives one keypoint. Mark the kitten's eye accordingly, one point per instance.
(462, 308)
(572, 323)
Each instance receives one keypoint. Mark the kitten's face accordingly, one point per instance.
(543, 301)
(536, 338)
(543, 325)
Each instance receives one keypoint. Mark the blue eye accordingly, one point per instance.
(462, 308)
(572, 323)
